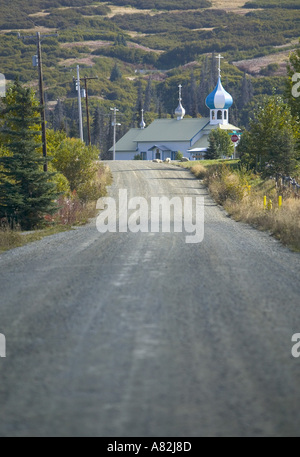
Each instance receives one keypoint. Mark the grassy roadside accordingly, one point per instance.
(10, 239)
(71, 213)
(242, 193)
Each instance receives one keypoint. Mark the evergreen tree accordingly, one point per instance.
(192, 97)
(203, 89)
(139, 103)
(73, 127)
(120, 40)
(246, 92)
(212, 150)
(59, 116)
(220, 145)
(116, 74)
(148, 95)
(26, 192)
(272, 138)
(96, 127)
(106, 155)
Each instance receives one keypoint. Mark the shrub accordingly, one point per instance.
(75, 161)
(178, 155)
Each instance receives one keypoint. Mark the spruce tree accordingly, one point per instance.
(96, 127)
(212, 150)
(273, 138)
(192, 97)
(203, 88)
(220, 145)
(139, 104)
(246, 92)
(148, 95)
(59, 116)
(116, 74)
(26, 192)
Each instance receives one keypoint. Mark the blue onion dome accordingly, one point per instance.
(219, 98)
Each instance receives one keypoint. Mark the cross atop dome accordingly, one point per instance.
(180, 87)
(180, 111)
(219, 57)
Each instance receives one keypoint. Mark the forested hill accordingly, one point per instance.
(142, 49)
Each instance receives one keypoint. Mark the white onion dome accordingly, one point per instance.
(180, 111)
(219, 98)
(142, 123)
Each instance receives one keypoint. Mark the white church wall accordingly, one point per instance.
(125, 155)
(171, 146)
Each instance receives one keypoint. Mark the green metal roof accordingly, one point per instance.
(172, 130)
(169, 130)
(128, 143)
(203, 143)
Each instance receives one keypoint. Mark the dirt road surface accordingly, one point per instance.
(124, 334)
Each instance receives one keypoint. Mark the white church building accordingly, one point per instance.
(163, 138)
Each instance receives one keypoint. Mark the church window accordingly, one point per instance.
(219, 114)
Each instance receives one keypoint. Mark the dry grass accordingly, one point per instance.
(254, 66)
(88, 60)
(115, 10)
(199, 171)
(234, 6)
(242, 195)
(223, 4)
(283, 223)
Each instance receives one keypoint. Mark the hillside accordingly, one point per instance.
(152, 45)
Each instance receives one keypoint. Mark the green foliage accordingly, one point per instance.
(16, 15)
(269, 69)
(115, 74)
(164, 4)
(175, 34)
(270, 144)
(292, 91)
(27, 193)
(289, 4)
(178, 155)
(131, 55)
(76, 162)
(54, 140)
(220, 144)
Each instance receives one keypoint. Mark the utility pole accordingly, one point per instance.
(79, 104)
(42, 99)
(41, 88)
(115, 130)
(85, 79)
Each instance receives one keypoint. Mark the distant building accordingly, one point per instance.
(163, 138)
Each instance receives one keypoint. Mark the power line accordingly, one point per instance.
(41, 88)
(85, 79)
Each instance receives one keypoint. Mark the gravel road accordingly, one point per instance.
(124, 334)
